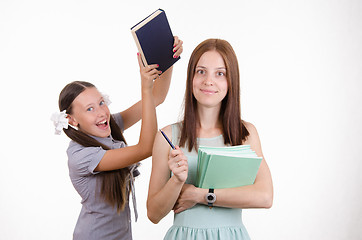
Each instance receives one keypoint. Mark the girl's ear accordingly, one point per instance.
(72, 121)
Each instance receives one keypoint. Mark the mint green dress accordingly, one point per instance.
(201, 222)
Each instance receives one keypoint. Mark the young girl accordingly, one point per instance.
(101, 165)
(211, 118)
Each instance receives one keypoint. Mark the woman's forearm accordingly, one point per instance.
(244, 197)
(240, 197)
(162, 202)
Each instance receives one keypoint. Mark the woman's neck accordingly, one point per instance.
(209, 124)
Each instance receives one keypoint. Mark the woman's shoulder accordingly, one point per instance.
(172, 127)
(249, 126)
(167, 129)
(172, 131)
(253, 133)
(253, 139)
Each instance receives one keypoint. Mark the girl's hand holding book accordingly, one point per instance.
(177, 47)
(148, 74)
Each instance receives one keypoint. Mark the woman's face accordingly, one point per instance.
(210, 84)
(90, 113)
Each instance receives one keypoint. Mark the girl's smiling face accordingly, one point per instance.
(91, 114)
(209, 83)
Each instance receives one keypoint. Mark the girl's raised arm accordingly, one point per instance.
(160, 89)
(123, 157)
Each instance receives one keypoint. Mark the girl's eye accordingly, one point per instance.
(90, 109)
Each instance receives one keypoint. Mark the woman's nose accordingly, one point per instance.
(208, 80)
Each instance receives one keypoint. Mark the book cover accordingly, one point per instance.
(154, 40)
(226, 167)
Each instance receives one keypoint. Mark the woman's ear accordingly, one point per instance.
(72, 121)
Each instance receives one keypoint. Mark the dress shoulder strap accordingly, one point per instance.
(176, 130)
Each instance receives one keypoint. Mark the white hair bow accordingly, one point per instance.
(106, 99)
(60, 121)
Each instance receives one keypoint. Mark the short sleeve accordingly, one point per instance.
(119, 120)
(82, 161)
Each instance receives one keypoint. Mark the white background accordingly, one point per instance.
(301, 72)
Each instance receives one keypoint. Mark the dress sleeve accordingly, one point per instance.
(82, 161)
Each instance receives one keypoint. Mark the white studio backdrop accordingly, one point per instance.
(300, 64)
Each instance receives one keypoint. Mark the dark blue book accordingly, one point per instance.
(154, 40)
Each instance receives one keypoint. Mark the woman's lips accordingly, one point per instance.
(207, 91)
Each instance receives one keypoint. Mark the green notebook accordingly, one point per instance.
(226, 167)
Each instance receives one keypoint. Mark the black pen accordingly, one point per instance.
(168, 140)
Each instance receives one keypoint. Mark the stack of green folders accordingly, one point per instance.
(226, 167)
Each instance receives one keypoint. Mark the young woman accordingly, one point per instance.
(211, 118)
(101, 165)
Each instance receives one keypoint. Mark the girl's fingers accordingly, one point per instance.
(143, 67)
(140, 63)
(152, 66)
(178, 53)
(177, 48)
(152, 69)
(150, 72)
(176, 40)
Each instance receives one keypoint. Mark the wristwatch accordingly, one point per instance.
(210, 197)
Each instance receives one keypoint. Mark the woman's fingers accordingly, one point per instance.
(181, 163)
(178, 164)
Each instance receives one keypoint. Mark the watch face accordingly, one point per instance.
(210, 197)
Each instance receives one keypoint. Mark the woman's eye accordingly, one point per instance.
(102, 103)
(90, 109)
(221, 74)
(200, 71)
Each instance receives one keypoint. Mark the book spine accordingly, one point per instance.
(139, 49)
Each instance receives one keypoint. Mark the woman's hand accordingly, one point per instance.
(177, 47)
(177, 162)
(148, 74)
(189, 197)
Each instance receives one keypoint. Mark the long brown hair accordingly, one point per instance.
(113, 186)
(234, 130)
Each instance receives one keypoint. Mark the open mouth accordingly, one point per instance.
(103, 124)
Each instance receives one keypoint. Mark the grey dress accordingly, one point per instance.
(97, 219)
